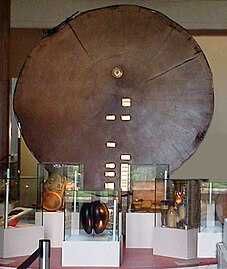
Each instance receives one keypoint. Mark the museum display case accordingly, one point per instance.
(213, 213)
(55, 178)
(92, 221)
(180, 206)
(143, 196)
(8, 170)
(213, 204)
(96, 214)
(19, 202)
(180, 211)
(141, 203)
(18, 208)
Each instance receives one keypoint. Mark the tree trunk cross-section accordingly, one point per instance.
(72, 81)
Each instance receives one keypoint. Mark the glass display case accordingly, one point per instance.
(180, 204)
(8, 170)
(12, 168)
(180, 218)
(143, 196)
(92, 225)
(55, 178)
(213, 205)
(221, 249)
(213, 214)
(91, 215)
(19, 202)
(19, 207)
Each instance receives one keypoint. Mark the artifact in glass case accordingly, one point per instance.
(181, 206)
(56, 178)
(91, 215)
(94, 216)
(221, 202)
(212, 218)
(19, 205)
(213, 204)
(144, 192)
(19, 211)
(92, 221)
(54, 188)
(172, 217)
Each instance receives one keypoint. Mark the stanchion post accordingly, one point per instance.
(44, 258)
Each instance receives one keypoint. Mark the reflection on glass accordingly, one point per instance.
(146, 193)
(22, 202)
(213, 206)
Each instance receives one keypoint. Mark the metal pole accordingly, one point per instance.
(44, 258)
(165, 185)
(114, 220)
(7, 199)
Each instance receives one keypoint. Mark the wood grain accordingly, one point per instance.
(66, 89)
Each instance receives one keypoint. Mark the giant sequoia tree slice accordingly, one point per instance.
(66, 89)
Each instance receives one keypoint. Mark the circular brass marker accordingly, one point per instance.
(117, 72)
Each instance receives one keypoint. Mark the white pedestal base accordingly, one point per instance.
(139, 229)
(92, 253)
(176, 243)
(53, 223)
(20, 241)
(207, 243)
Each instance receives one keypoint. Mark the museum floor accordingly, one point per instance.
(132, 259)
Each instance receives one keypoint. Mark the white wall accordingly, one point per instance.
(191, 14)
(209, 161)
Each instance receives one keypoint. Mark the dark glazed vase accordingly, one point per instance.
(100, 216)
(86, 217)
(94, 215)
